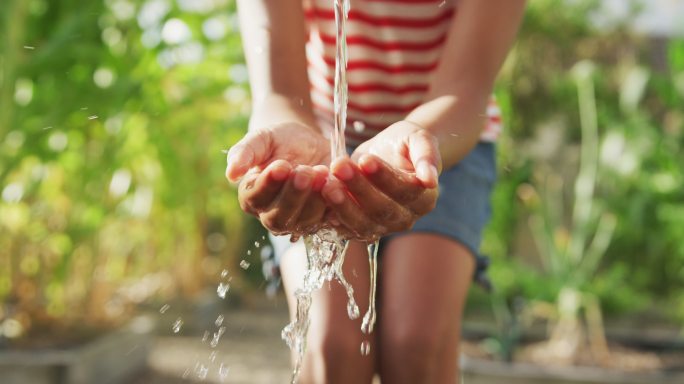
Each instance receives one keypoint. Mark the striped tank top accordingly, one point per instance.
(393, 46)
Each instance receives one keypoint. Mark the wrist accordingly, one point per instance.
(278, 109)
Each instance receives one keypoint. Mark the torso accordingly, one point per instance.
(393, 48)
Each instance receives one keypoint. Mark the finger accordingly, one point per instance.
(321, 174)
(348, 213)
(311, 216)
(424, 203)
(253, 150)
(258, 190)
(375, 204)
(400, 186)
(247, 184)
(281, 216)
(423, 150)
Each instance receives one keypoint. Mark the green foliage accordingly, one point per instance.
(114, 115)
(640, 120)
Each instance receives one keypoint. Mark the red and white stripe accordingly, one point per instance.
(393, 47)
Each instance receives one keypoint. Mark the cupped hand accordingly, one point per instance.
(281, 172)
(389, 183)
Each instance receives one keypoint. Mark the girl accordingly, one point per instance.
(421, 169)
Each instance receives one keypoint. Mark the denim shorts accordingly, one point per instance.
(462, 211)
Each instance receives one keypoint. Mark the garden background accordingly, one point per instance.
(114, 115)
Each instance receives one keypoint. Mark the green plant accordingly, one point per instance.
(111, 171)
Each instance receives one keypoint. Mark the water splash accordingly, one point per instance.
(164, 308)
(369, 318)
(338, 147)
(325, 250)
(365, 348)
(177, 325)
(217, 337)
(219, 320)
(222, 289)
(223, 372)
(325, 253)
(244, 264)
(202, 371)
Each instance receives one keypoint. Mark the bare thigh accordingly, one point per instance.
(334, 341)
(425, 279)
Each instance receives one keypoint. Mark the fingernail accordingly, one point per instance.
(434, 172)
(279, 173)
(336, 196)
(318, 183)
(427, 172)
(240, 159)
(302, 181)
(344, 172)
(369, 165)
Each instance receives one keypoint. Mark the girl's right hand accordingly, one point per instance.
(281, 171)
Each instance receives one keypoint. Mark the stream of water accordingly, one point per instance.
(325, 250)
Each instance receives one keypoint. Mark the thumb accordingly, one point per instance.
(423, 150)
(253, 150)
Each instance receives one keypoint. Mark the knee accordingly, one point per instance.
(412, 352)
(333, 354)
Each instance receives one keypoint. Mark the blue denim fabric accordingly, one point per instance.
(463, 207)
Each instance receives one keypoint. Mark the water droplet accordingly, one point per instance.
(263, 237)
(205, 337)
(29, 47)
(224, 273)
(353, 310)
(93, 117)
(177, 325)
(249, 252)
(257, 244)
(212, 356)
(223, 371)
(202, 372)
(164, 308)
(365, 348)
(48, 127)
(186, 373)
(359, 126)
(222, 290)
(217, 337)
(244, 264)
(443, 3)
(219, 321)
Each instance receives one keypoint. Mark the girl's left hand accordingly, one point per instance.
(390, 181)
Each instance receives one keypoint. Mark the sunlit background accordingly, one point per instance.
(113, 203)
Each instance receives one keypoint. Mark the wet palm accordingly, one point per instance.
(282, 168)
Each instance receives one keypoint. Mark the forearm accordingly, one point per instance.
(477, 44)
(455, 118)
(274, 39)
(276, 109)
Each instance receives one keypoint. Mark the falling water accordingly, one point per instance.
(325, 250)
